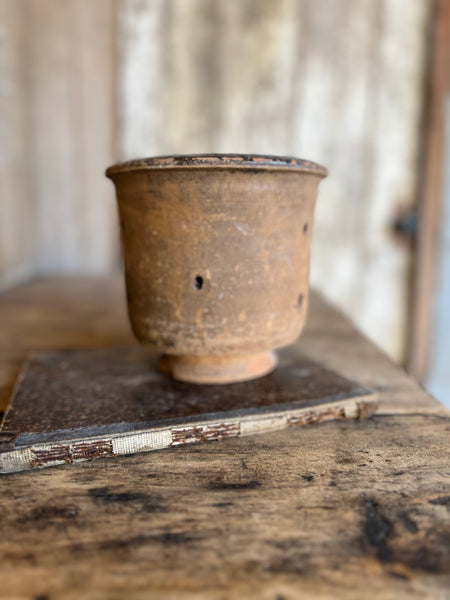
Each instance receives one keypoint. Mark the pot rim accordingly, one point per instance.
(218, 161)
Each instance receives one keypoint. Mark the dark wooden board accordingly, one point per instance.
(74, 405)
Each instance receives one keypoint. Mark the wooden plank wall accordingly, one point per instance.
(338, 82)
(58, 127)
(436, 181)
(430, 360)
(16, 231)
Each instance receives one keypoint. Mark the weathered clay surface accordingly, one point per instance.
(217, 253)
(218, 369)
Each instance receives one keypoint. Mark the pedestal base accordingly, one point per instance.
(218, 369)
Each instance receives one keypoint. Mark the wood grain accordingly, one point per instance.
(339, 510)
(16, 210)
(58, 107)
(432, 213)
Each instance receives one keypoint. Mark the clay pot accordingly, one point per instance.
(217, 252)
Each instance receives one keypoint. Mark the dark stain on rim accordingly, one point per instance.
(218, 161)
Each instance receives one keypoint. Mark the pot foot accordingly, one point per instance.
(218, 369)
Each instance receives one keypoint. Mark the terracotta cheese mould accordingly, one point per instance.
(217, 253)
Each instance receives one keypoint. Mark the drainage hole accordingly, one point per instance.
(300, 301)
(198, 282)
(305, 228)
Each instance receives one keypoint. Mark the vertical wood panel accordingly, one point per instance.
(339, 82)
(431, 340)
(385, 272)
(71, 103)
(438, 91)
(438, 376)
(16, 215)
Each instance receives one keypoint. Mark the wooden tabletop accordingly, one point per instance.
(338, 510)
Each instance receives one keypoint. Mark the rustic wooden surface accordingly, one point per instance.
(85, 83)
(340, 510)
(74, 405)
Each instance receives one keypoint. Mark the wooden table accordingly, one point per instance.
(338, 510)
